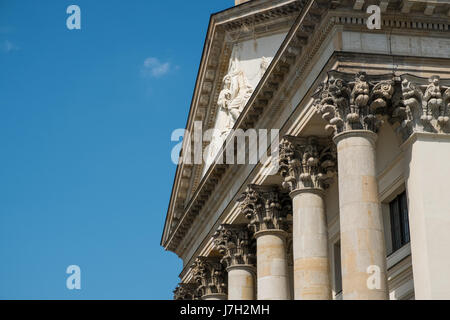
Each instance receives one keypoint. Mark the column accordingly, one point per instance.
(210, 277)
(235, 243)
(427, 167)
(308, 166)
(267, 209)
(352, 105)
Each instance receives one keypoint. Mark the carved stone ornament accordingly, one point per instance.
(236, 244)
(267, 207)
(185, 291)
(423, 105)
(307, 162)
(210, 276)
(236, 90)
(234, 95)
(352, 102)
(418, 104)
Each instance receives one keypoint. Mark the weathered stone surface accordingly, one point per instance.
(236, 244)
(354, 104)
(210, 276)
(266, 207)
(361, 222)
(307, 162)
(186, 291)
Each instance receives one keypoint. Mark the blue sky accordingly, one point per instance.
(85, 123)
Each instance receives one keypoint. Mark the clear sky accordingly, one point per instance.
(85, 123)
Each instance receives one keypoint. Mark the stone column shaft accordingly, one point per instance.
(311, 263)
(241, 282)
(363, 251)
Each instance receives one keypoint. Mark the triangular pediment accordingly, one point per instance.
(239, 46)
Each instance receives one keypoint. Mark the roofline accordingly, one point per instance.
(196, 86)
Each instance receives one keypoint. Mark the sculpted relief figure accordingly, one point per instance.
(433, 103)
(234, 95)
(359, 96)
(411, 100)
(263, 66)
(333, 103)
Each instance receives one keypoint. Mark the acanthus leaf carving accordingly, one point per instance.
(236, 90)
(210, 276)
(234, 95)
(354, 104)
(266, 207)
(307, 162)
(235, 243)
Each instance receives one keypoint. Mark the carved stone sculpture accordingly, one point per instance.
(266, 207)
(234, 95)
(236, 245)
(358, 103)
(185, 291)
(423, 105)
(308, 162)
(263, 66)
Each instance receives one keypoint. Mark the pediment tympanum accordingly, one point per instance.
(248, 63)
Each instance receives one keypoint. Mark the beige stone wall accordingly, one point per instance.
(428, 170)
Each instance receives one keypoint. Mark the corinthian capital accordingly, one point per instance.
(185, 291)
(236, 245)
(210, 276)
(307, 162)
(352, 102)
(423, 105)
(266, 207)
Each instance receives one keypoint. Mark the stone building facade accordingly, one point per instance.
(353, 201)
